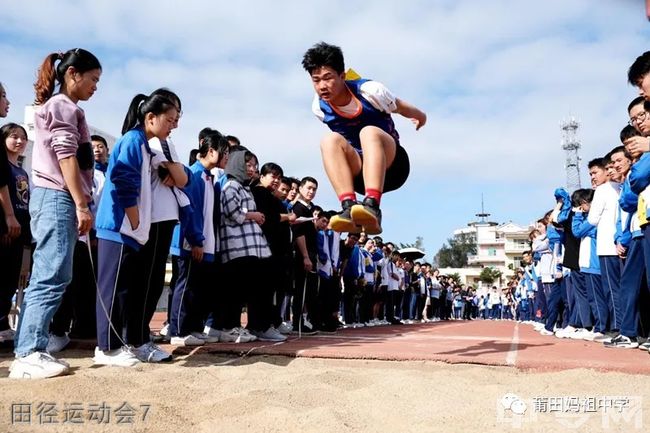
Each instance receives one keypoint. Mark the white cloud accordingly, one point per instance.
(494, 77)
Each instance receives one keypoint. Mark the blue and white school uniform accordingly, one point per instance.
(603, 214)
(127, 184)
(195, 230)
(590, 268)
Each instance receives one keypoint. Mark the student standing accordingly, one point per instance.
(62, 177)
(124, 222)
(195, 247)
(13, 139)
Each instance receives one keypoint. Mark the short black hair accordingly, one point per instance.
(636, 101)
(323, 54)
(308, 179)
(205, 132)
(271, 168)
(639, 69)
(233, 140)
(100, 139)
(293, 180)
(579, 196)
(620, 149)
(286, 180)
(629, 131)
(597, 162)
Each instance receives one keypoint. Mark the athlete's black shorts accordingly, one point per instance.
(396, 174)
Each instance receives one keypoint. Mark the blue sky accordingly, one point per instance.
(495, 79)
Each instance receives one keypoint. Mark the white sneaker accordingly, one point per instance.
(37, 365)
(211, 332)
(122, 357)
(187, 340)
(150, 352)
(246, 335)
(565, 332)
(164, 331)
(546, 332)
(579, 334)
(270, 334)
(56, 343)
(207, 338)
(7, 335)
(286, 328)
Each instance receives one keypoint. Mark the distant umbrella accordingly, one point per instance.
(411, 253)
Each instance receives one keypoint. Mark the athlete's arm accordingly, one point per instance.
(417, 116)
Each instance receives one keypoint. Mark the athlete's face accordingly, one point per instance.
(328, 84)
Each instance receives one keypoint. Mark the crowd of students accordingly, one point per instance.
(587, 274)
(101, 228)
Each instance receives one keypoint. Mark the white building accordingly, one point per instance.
(28, 124)
(498, 246)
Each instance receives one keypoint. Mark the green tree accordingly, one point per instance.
(453, 254)
(490, 275)
(419, 244)
(456, 277)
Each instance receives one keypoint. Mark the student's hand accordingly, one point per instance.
(307, 264)
(13, 226)
(419, 121)
(84, 220)
(169, 181)
(197, 254)
(637, 145)
(258, 217)
(621, 251)
(292, 218)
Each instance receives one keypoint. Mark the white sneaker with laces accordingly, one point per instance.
(247, 337)
(151, 352)
(565, 332)
(7, 335)
(187, 340)
(286, 328)
(270, 334)
(56, 343)
(122, 357)
(546, 332)
(37, 365)
(164, 331)
(230, 336)
(207, 338)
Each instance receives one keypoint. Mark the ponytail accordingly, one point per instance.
(81, 60)
(143, 104)
(216, 141)
(44, 85)
(131, 118)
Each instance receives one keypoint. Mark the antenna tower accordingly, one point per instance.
(571, 146)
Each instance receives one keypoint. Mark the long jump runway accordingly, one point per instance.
(497, 343)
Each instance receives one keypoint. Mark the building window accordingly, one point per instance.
(492, 251)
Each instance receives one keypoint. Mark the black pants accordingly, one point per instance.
(350, 300)
(329, 298)
(11, 257)
(151, 280)
(306, 290)
(280, 280)
(189, 296)
(76, 314)
(117, 265)
(244, 283)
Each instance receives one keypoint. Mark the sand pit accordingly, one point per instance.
(205, 392)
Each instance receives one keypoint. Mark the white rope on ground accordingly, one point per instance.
(511, 357)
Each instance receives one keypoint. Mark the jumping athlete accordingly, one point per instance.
(363, 152)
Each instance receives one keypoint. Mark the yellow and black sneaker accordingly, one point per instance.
(367, 215)
(342, 222)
